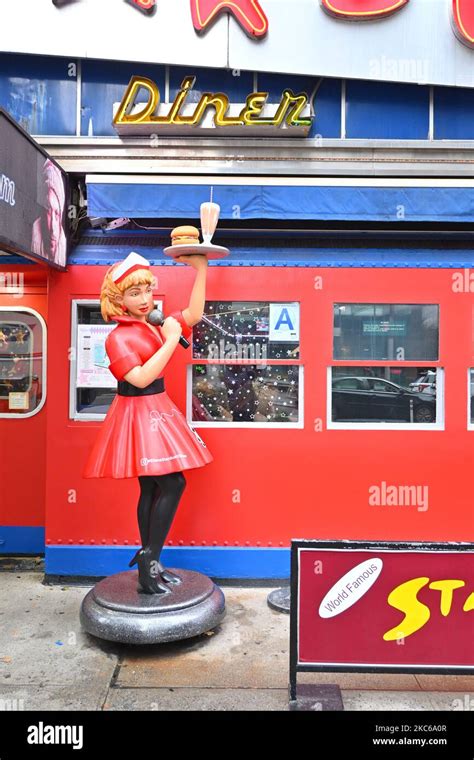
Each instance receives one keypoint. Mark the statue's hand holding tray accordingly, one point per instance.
(185, 239)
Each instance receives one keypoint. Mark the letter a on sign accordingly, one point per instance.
(358, 10)
(463, 17)
(248, 13)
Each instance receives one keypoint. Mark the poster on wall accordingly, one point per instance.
(33, 198)
(284, 322)
(92, 360)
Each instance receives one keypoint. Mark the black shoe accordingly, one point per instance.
(148, 581)
(135, 558)
(168, 575)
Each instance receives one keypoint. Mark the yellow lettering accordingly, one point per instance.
(296, 103)
(173, 115)
(123, 115)
(254, 104)
(288, 110)
(469, 603)
(446, 588)
(220, 102)
(417, 614)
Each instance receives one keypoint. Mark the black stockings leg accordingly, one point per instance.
(148, 493)
(171, 488)
(157, 505)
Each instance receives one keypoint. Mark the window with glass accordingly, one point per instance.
(392, 386)
(22, 362)
(92, 385)
(246, 365)
(386, 332)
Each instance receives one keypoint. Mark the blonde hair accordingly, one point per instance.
(110, 290)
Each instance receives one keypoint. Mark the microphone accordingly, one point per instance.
(156, 317)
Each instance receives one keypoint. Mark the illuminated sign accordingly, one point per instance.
(213, 111)
(250, 15)
(381, 606)
(146, 6)
(463, 17)
(360, 10)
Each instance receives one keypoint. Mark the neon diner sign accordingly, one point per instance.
(132, 117)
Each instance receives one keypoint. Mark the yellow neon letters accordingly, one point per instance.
(289, 109)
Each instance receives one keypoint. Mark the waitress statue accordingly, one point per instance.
(144, 435)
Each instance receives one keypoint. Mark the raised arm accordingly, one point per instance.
(193, 312)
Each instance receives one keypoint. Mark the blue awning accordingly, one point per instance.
(157, 200)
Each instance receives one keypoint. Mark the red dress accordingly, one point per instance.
(145, 434)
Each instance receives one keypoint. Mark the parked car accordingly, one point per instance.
(425, 383)
(373, 398)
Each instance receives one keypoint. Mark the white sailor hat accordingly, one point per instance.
(127, 266)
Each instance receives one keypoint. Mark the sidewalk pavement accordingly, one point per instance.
(47, 662)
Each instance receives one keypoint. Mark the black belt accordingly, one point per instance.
(127, 389)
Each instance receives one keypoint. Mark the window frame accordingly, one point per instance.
(370, 361)
(299, 425)
(251, 425)
(74, 415)
(438, 425)
(436, 365)
(44, 374)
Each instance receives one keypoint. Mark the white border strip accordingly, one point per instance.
(176, 179)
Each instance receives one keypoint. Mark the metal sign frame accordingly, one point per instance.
(295, 667)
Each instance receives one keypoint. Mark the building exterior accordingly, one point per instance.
(349, 285)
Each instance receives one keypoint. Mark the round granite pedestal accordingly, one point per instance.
(115, 610)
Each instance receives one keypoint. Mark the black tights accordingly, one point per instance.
(157, 505)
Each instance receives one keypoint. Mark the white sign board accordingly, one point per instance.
(419, 43)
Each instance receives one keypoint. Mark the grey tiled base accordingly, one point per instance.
(115, 610)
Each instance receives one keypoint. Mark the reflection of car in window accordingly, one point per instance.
(371, 398)
(426, 383)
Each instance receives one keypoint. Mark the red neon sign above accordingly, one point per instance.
(147, 6)
(463, 17)
(357, 10)
(250, 15)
